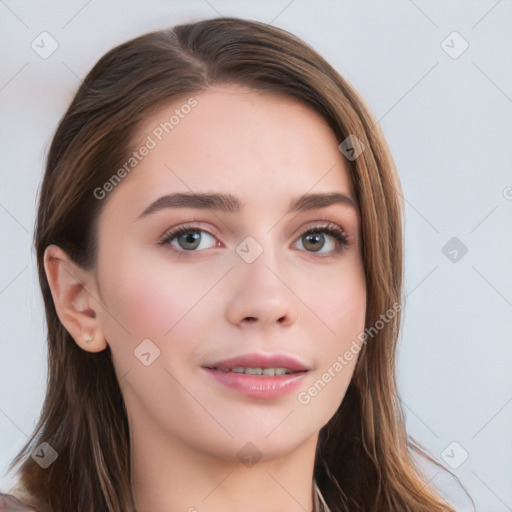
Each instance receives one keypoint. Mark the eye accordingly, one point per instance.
(325, 239)
(330, 237)
(188, 239)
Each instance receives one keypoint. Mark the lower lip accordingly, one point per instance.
(264, 386)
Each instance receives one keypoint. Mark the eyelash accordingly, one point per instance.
(333, 230)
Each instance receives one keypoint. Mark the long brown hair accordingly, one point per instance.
(363, 460)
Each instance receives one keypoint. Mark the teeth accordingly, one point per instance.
(261, 371)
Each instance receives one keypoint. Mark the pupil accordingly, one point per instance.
(190, 238)
(313, 240)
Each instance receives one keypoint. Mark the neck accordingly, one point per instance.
(168, 476)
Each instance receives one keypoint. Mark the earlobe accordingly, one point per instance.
(73, 294)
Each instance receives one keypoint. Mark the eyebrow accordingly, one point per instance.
(230, 204)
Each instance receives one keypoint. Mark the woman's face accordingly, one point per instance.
(243, 279)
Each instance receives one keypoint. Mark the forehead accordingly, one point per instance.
(254, 144)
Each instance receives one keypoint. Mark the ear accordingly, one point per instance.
(75, 297)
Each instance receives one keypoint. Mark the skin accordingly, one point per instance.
(210, 304)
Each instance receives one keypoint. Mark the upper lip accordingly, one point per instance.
(260, 360)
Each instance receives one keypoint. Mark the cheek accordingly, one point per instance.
(339, 302)
(152, 302)
(337, 347)
(341, 312)
(149, 300)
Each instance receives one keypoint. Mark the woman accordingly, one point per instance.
(219, 244)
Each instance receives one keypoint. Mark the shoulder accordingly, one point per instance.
(10, 503)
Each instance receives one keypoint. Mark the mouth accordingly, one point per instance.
(263, 371)
(258, 374)
(262, 364)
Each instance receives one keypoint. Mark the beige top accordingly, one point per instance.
(10, 503)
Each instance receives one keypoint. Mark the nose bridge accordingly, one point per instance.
(256, 259)
(259, 291)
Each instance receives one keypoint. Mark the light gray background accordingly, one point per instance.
(448, 123)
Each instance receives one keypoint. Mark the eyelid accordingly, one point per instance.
(193, 225)
(322, 224)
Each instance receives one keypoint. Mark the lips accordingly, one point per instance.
(259, 360)
(259, 375)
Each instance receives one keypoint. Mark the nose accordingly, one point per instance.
(262, 294)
